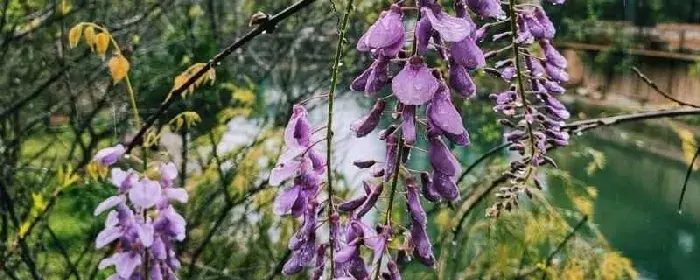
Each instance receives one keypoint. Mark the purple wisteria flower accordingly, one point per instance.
(486, 8)
(414, 85)
(386, 36)
(302, 167)
(110, 155)
(535, 116)
(424, 109)
(144, 224)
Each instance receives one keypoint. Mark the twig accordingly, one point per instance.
(656, 88)
(483, 157)
(64, 253)
(278, 267)
(219, 221)
(264, 27)
(475, 198)
(575, 127)
(329, 129)
(571, 234)
(687, 178)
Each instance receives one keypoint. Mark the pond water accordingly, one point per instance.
(636, 207)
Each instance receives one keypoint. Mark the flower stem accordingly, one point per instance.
(392, 192)
(521, 85)
(329, 130)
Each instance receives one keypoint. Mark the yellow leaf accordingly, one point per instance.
(90, 37)
(65, 7)
(74, 35)
(101, 43)
(119, 67)
(23, 229)
(38, 203)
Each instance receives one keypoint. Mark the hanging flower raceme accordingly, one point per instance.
(534, 116)
(141, 220)
(302, 167)
(424, 110)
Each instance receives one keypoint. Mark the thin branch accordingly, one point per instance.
(576, 128)
(64, 253)
(561, 245)
(687, 178)
(656, 88)
(264, 27)
(278, 267)
(483, 157)
(219, 221)
(329, 129)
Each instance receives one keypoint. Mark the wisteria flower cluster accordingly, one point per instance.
(141, 221)
(424, 107)
(534, 115)
(304, 166)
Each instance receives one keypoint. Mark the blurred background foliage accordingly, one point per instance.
(59, 106)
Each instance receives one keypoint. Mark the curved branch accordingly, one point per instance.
(687, 178)
(656, 88)
(264, 27)
(576, 128)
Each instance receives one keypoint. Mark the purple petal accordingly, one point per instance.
(451, 29)
(108, 203)
(352, 204)
(359, 83)
(423, 251)
(369, 122)
(468, 54)
(177, 194)
(535, 67)
(443, 114)
(414, 85)
(145, 232)
(442, 159)
(112, 219)
(523, 35)
(391, 153)
(408, 125)
(393, 270)
(548, 27)
(158, 249)
(386, 31)
(460, 81)
(283, 171)
(110, 155)
(285, 200)
(364, 163)
(428, 189)
(487, 8)
(423, 33)
(554, 87)
(292, 266)
(413, 202)
(534, 27)
(298, 131)
(107, 235)
(557, 73)
(318, 161)
(371, 199)
(553, 56)
(145, 193)
(123, 179)
(445, 186)
(347, 253)
(459, 139)
(126, 262)
(168, 171)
